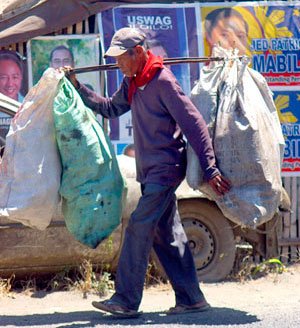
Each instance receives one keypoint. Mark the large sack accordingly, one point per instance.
(92, 187)
(246, 133)
(30, 169)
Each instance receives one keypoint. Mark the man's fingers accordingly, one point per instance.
(218, 191)
(220, 184)
(224, 184)
(71, 76)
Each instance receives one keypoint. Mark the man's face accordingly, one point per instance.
(10, 78)
(61, 58)
(231, 33)
(128, 64)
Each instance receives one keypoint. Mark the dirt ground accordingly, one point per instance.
(269, 294)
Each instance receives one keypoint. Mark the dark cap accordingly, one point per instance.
(124, 39)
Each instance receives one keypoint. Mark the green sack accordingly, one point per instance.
(92, 187)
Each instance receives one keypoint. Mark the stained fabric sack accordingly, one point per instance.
(30, 169)
(246, 133)
(92, 187)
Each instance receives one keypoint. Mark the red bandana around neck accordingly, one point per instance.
(152, 65)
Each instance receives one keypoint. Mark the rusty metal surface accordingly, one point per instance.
(26, 250)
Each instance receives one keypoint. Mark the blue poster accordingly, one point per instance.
(171, 32)
(268, 33)
(287, 104)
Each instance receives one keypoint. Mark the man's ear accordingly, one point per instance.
(139, 50)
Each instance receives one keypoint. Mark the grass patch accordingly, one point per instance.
(269, 266)
(6, 286)
(84, 278)
(91, 282)
(247, 267)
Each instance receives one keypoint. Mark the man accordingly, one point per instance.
(160, 111)
(61, 56)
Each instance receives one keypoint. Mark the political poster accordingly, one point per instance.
(287, 103)
(172, 31)
(267, 32)
(64, 50)
(13, 84)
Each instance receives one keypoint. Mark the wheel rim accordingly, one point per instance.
(201, 242)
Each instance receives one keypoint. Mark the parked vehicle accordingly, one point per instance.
(212, 237)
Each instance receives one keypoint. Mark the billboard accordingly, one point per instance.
(267, 32)
(64, 50)
(13, 84)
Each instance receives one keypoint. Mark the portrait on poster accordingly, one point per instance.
(13, 83)
(268, 34)
(64, 50)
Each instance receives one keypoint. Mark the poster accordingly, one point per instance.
(267, 32)
(64, 50)
(13, 84)
(171, 32)
(287, 103)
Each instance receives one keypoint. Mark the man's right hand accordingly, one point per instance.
(72, 77)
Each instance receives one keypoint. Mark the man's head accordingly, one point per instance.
(227, 27)
(127, 47)
(129, 150)
(61, 56)
(124, 39)
(11, 74)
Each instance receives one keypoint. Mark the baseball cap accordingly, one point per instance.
(124, 39)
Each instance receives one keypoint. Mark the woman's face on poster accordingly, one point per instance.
(10, 78)
(230, 32)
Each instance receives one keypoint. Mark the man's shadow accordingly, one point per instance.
(214, 317)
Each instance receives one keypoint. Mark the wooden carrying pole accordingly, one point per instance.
(167, 61)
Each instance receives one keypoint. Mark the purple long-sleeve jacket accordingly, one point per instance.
(161, 114)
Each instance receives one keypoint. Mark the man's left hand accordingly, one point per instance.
(220, 184)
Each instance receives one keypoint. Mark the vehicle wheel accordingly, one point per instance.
(210, 238)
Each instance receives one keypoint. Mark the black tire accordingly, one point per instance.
(210, 237)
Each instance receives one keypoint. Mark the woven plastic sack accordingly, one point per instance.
(30, 169)
(92, 187)
(242, 119)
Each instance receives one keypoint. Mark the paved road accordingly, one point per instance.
(218, 317)
(267, 302)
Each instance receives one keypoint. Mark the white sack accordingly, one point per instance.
(242, 119)
(30, 169)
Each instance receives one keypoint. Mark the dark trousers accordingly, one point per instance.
(156, 222)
